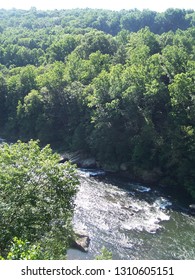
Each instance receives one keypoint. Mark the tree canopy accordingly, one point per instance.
(116, 85)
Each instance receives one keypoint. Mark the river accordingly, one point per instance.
(133, 221)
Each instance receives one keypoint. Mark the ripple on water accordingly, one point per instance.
(132, 224)
(110, 214)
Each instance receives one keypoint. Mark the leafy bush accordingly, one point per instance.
(105, 255)
(36, 197)
(23, 250)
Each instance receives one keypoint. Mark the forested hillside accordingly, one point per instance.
(119, 86)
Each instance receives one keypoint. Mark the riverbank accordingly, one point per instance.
(124, 170)
(151, 178)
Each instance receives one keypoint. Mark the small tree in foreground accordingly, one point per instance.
(36, 198)
(105, 255)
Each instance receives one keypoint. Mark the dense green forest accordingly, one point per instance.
(119, 86)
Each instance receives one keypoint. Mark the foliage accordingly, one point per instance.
(105, 255)
(23, 250)
(116, 85)
(36, 197)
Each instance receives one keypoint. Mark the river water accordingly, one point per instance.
(132, 221)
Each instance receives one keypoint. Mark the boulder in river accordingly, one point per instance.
(81, 241)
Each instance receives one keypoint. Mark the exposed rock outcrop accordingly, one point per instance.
(80, 159)
(81, 241)
(87, 163)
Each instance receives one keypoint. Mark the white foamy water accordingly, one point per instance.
(109, 213)
(130, 220)
(162, 203)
